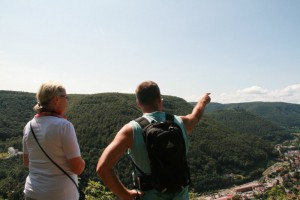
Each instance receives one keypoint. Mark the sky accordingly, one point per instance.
(237, 50)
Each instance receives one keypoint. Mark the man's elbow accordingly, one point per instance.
(99, 170)
(102, 169)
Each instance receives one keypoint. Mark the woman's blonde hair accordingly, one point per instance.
(45, 94)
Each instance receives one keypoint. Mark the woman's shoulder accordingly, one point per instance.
(65, 121)
(58, 121)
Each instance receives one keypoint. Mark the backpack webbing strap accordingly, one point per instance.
(139, 169)
(143, 122)
(169, 117)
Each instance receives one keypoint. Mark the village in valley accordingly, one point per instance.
(284, 173)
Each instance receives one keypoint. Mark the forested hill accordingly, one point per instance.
(246, 122)
(216, 148)
(16, 108)
(282, 114)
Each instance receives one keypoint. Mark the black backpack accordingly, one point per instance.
(167, 153)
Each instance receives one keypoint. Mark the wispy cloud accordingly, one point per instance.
(254, 90)
(290, 90)
(289, 94)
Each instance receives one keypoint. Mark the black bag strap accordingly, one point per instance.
(61, 169)
(143, 122)
(139, 169)
(169, 117)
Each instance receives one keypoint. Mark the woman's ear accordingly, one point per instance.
(56, 98)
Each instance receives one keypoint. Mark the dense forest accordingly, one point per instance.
(229, 140)
(247, 123)
(286, 115)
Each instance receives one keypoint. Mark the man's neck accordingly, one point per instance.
(150, 109)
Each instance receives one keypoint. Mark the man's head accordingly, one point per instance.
(147, 93)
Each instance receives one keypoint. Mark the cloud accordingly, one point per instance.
(289, 94)
(253, 90)
(290, 90)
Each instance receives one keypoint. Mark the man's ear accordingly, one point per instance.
(160, 99)
(138, 104)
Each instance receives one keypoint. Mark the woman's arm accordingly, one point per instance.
(26, 160)
(76, 165)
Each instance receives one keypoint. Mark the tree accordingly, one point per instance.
(276, 193)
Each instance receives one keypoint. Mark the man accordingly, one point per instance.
(149, 100)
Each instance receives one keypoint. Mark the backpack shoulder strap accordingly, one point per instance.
(142, 121)
(139, 169)
(169, 117)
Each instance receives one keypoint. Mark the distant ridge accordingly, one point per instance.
(286, 115)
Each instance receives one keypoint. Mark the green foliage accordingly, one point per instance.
(193, 196)
(217, 148)
(219, 151)
(285, 115)
(97, 191)
(15, 111)
(247, 123)
(277, 192)
(12, 177)
(237, 197)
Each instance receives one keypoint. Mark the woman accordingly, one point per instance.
(57, 137)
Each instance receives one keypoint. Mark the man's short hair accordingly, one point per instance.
(147, 92)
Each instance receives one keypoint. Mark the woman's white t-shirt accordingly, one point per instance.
(58, 138)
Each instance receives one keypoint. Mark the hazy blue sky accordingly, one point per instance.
(239, 50)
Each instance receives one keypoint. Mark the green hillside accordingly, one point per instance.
(215, 151)
(286, 115)
(248, 123)
(15, 111)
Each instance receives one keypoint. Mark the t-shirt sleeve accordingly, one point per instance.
(69, 142)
